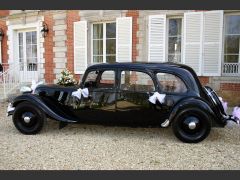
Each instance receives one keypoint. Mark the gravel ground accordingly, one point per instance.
(79, 146)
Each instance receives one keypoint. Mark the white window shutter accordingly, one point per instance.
(124, 39)
(192, 51)
(157, 38)
(80, 47)
(212, 42)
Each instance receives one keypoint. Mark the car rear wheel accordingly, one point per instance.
(28, 119)
(191, 125)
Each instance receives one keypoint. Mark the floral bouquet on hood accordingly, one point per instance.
(66, 78)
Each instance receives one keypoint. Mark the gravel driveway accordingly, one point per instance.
(79, 146)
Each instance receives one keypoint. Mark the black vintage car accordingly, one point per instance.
(139, 94)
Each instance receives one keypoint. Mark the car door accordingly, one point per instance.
(99, 107)
(132, 106)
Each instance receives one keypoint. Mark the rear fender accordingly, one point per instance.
(194, 103)
(38, 102)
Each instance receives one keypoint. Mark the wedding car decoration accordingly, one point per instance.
(156, 96)
(81, 92)
(66, 78)
(140, 94)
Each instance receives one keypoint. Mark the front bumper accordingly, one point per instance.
(10, 109)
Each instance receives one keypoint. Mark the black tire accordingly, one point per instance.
(183, 132)
(36, 115)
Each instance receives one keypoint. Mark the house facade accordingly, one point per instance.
(208, 41)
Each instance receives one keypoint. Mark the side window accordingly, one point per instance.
(170, 83)
(107, 79)
(91, 79)
(100, 79)
(136, 81)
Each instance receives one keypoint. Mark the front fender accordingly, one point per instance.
(38, 102)
(197, 103)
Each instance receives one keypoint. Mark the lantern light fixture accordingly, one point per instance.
(44, 30)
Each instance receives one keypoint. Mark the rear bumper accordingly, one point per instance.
(232, 118)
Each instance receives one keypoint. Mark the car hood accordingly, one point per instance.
(51, 89)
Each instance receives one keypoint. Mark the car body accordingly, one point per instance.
(119, 94)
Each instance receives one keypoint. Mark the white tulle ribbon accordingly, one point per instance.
(236, 112)
(157, 96)
(81, 92)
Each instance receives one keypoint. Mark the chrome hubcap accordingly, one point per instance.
(192, 125)
(27, 119)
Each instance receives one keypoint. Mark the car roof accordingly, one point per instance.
(143, 65)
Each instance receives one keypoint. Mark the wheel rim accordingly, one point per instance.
(191, 125)
(28, 119)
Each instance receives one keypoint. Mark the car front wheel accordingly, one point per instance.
(191, 125)
(28, 119)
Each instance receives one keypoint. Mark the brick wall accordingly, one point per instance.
(4, 13)
(72, 16)
(49, 65)
(204, 80)
(135, 27)
(4, 41)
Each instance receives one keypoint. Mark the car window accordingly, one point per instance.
(107, 79)
(170, 83)
(100, 79)
(136, 81)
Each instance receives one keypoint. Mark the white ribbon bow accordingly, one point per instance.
(81, 92)
(156, 96)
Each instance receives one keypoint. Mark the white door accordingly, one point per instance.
(28, 55)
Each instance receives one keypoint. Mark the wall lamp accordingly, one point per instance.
(1, 34)
(44, 30)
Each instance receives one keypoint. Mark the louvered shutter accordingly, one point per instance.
(124, 39)
(80, 47)
(157, 38)
(212, 42)
(192, 51)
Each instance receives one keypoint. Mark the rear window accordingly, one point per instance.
(170, 83)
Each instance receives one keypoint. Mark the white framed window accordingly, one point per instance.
(174, 40)
(231, 57)
(103, 42)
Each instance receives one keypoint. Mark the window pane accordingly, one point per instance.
(91, 79)
(29, 37)
(111, 30)
(136, 81)
(97, 59)
(174, 45)
(97, 31)
(34, 37)
(233, 24)
(175, 27)
(111, 46)
(20, 52)
(231, 44)
(97, 47)
(110, 59)
(29, 51)
(107, 79)
(174, 57)
(20, 38)
(34, 51)
(171, 83)
(231, 58)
